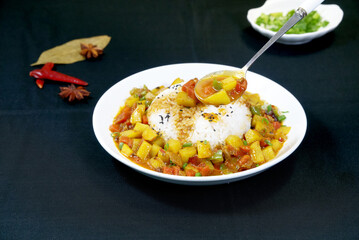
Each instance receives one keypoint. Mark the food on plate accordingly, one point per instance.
(168, 130)
(220, 89)
(274, 21)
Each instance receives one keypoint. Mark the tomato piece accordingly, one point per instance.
(205, 171)
(208, 90)
(194, 160)
(173, 170)
(276, 125)
(188, 87)
(241, 86)
(126, 140)
(245, 162)
(245, 149)
(144, 119)
(114, 128)
(190, 172)
(124, 115)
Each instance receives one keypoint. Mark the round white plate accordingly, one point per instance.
(330, 12)
(111, 101)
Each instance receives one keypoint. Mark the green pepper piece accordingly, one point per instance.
(256, 110)
(217, 157)
(281, 118)
(217, 85)
(187, 145)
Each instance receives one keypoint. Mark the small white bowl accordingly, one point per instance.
(330, 12)
(109, 104)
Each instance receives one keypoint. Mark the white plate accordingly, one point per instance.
(331, 12)
(109, 104)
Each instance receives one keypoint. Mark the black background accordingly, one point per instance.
(56, 181)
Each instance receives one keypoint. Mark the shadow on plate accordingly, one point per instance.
(234, 197)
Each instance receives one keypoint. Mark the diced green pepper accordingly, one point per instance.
(256, 110)
(217, 85)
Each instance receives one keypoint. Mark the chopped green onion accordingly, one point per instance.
(269, 108)
(187, 145)
(184, 165)
(245, 143)
(281, 118)
(120, 145)
(285, 111)
(198, 174)
(115, 134)
(268, 142)
(256, 110)
(166, 147)
(205, 141)
(142, 98)
(265, 120)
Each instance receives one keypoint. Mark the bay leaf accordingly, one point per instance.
(69, 52)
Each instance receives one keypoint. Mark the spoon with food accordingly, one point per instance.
(223, 87)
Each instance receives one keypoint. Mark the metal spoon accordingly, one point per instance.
(302, 11)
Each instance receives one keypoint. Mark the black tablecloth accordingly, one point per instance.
(57, 182)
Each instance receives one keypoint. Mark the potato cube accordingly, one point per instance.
(184, 100)
(130, 101)
(130, 134)
(136, 143)
(234, 141)
(276, 145)
(140, 127)
(150, 96)
(263, 126)
(229, 83)
(162, 154)
(159, 141)
(156, 163)
(137, 114)
(252, 136)
(253, 99)
(218, 98)
(154, 150)
(149, 134)
(144, 150)
(256, 152)
(126, 150)
(204, 149)
(175, 158)
(176, 81)
(187, 152)
(282, 132)
(256, 118)
(174, 145)
(268, 153)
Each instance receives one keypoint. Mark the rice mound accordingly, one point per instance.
(199, 123)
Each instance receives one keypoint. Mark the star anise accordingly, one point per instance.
(72, 92)
(90, 51)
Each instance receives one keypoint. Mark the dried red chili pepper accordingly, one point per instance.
(47, 73)
(48, 66)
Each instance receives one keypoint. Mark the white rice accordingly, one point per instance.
(203, 122)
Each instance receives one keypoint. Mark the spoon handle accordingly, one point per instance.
(299, 14)
(305, 8)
